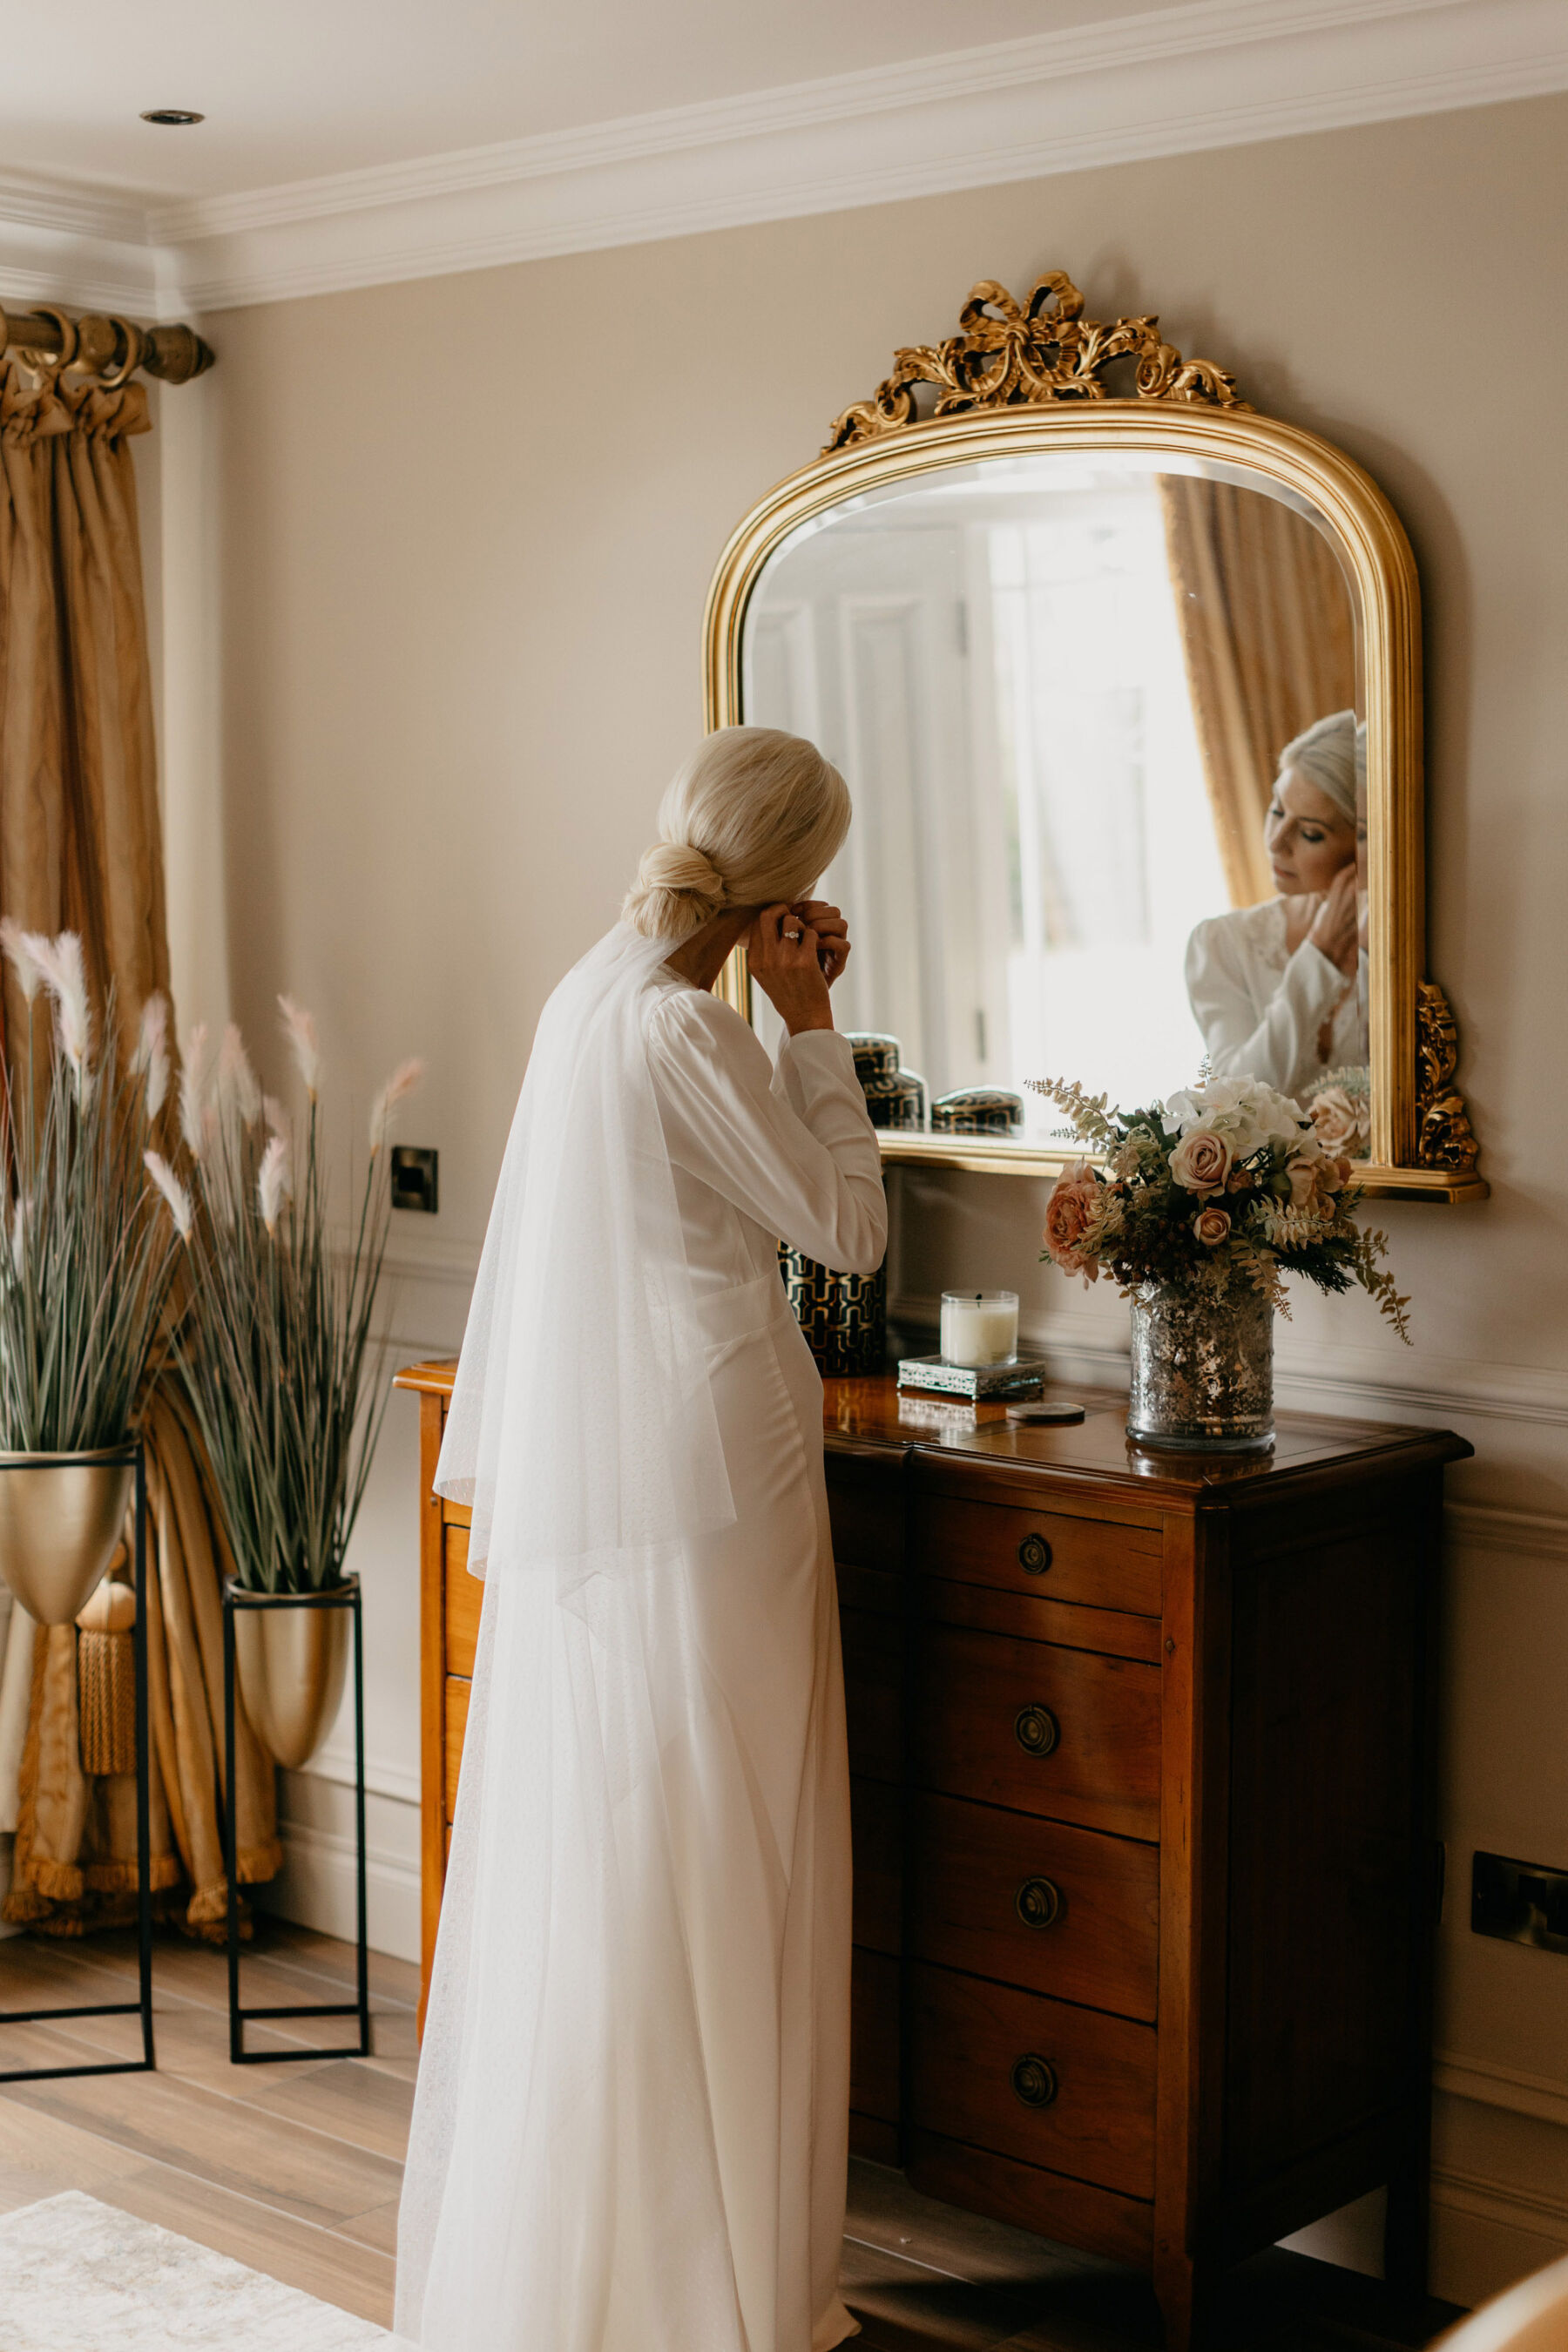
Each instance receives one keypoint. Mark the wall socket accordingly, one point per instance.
(415, 1178)
(1522, 1901)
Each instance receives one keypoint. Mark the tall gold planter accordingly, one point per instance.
(289, 1652)
(62, 1517)
(292, 1663)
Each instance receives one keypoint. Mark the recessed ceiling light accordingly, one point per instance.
(173, 115)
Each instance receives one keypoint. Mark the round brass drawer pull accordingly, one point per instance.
(1038, 1903)
(1036, 1730)
(1034, 1554)
(1034, 2080)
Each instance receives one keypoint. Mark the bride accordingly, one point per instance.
(631, 2128)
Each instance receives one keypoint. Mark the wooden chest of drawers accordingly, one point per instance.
(1144, 1871)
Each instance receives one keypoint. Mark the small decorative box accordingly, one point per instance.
(876, 1054)
(896, 1101)
(1024, 1376)
(978, 1110)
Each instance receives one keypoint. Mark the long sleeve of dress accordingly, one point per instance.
(1258, 1023)
(800, 1156)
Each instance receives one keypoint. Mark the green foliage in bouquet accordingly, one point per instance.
(89, 1251)
(1226, 1183)
(278, 1353)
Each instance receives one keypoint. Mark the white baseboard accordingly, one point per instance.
(316, 1884)
(1486, 2236)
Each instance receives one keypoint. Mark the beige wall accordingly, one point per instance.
(436, 557)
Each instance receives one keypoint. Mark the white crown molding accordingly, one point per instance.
(1217, 73)
(83, 247)
(105, 215)
(1145, 39)
(1212, 73)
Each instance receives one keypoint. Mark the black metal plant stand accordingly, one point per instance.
(235, 1597)
(131, 1454)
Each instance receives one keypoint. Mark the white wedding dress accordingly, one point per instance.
(630, 2130)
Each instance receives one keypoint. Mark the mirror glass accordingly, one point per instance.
(1060, 686)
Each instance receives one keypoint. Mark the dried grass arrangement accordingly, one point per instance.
(89, 1253)
(277, 1348)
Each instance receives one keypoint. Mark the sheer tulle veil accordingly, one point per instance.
(562, 2158)
(581, 1431)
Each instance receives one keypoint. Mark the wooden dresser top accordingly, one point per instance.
(873, 1415)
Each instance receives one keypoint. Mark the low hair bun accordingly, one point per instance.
(677, 866)
(677, 889)
(772, 813)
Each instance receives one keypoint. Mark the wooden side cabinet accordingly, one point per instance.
(1145, 1870)
(449, 1631)
(1145, 1867)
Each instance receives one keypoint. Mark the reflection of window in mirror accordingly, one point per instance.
(1059, 688)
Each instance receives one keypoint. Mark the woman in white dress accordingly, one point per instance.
(1279, 989)
(630, 2132)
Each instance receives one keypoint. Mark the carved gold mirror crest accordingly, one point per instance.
(1055, 600)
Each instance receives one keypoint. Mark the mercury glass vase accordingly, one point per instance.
(1202, 1371)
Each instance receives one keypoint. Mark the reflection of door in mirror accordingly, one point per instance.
(1059, 687)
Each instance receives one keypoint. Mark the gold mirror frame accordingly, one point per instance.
(1019, 378)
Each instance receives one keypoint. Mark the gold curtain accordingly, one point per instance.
(1268, 640)
(80, 847)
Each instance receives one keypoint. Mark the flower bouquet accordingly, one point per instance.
(1199, 1207)
(1339, 1107)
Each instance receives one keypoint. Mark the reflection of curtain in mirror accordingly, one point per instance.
(1268, 641)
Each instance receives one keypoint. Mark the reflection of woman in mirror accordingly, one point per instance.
(1279, 989)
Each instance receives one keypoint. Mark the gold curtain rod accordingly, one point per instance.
(108, 350)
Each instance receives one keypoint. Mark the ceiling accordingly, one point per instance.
(298, 89)
(357, 143)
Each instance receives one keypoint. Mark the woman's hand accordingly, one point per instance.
(832, 934)
(1336, 924)
(785, 954)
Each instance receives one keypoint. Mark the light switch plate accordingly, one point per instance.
(1522, 1901)
(415, 1178)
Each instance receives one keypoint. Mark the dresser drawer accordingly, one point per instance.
(457, 1689)
(1064, 1733)
(1062, 1911)
(1037, 2079)
(462, 1594)
(876, 1815)
(866, 1504)
(1099, 1561)
(873, 1691)
(873, 2035)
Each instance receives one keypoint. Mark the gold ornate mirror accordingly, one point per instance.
(1056, 600)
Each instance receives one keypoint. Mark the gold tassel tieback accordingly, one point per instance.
(106, 1679)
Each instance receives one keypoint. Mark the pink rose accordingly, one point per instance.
(1336, 1119)
(1068, 1214)
(1201, 1162)
(1211, 1226)
(1303, 1169)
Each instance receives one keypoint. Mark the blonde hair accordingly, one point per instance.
(754, 816)
(1331, 755)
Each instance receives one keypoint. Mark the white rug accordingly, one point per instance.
(78, 2276)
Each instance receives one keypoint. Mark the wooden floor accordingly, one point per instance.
(294, 2169)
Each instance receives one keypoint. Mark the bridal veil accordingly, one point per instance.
(562, 2155)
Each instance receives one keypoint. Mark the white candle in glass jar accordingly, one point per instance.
(979, 1327)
